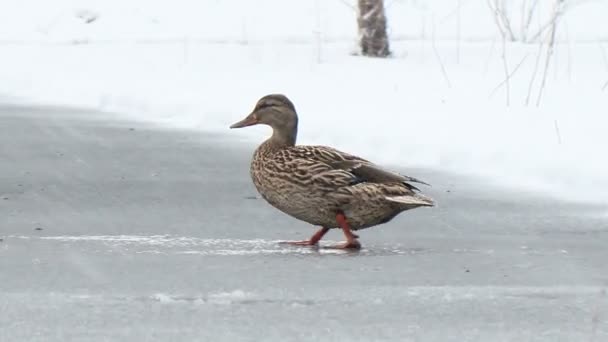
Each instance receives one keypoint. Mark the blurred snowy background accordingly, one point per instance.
(442, 100)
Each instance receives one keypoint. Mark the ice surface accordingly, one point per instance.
(154, 235)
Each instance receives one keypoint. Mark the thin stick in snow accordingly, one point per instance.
(540, 31)
(544, 27)
(185, 50)
(458, 33)
(529, 20)
(495, 12)
(317, 31)
(603, 51)
(485, 68)
(605, 86)
(347, 4)
(556, 12)
(506, 69)
(506, 80)
(423, 35)
(505, 20)
(559, 136)
(560, 6)
(319, 45)
(522, 23)
(453, 13)
(556, 59)
(502, 21)
(499, 9)
(443, 71)
(534, 72)
(569, 49)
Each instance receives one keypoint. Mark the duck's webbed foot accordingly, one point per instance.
(313, 241)
(299, 243)
(347, 245)
(351, 238)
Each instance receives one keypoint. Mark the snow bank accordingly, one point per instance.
(278, 20)
(203, 67)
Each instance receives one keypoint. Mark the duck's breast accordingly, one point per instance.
(291, 195)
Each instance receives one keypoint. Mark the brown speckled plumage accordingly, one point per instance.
(315, 183)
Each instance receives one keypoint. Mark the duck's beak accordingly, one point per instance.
(250, 120)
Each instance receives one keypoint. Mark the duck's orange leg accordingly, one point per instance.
(312, 241)
(351, 239)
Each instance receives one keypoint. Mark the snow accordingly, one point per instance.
(203, 64)
(246, 21)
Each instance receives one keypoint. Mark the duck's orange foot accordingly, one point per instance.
(352, 245)
(299, 243)
(351, 238)
(313, 241)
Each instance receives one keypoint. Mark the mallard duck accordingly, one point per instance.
(322, 185)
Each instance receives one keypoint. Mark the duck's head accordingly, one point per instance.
(276, 111)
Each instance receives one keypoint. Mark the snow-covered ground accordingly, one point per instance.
(278, 20)
(203, 64)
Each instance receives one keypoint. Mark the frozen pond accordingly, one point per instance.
(117, 231)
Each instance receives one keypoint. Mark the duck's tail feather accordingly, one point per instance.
(415, 180)
(416, 199)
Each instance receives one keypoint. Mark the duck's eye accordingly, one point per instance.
(264, 105)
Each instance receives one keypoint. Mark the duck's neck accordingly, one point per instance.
(285, 137)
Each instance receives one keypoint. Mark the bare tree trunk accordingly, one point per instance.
(372, 28)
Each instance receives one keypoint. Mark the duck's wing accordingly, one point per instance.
(362, 170)
(318, 176)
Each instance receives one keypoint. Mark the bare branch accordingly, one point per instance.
(559, 136)
(506, 80)
(541, 30)
(504, 26)
(569, 47)
(605, 86)
(347, 4)
(443, 71)
(603, 51)
(501, 19)
(485, 68)
(550, 46)
(454, 11)
(506, 21)
(496, 17)
(317, 31)
(536, 64)
(458, 33)
(562, 6)
(506, 68)
(529, 20)
(522, 23)
(390, 4)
